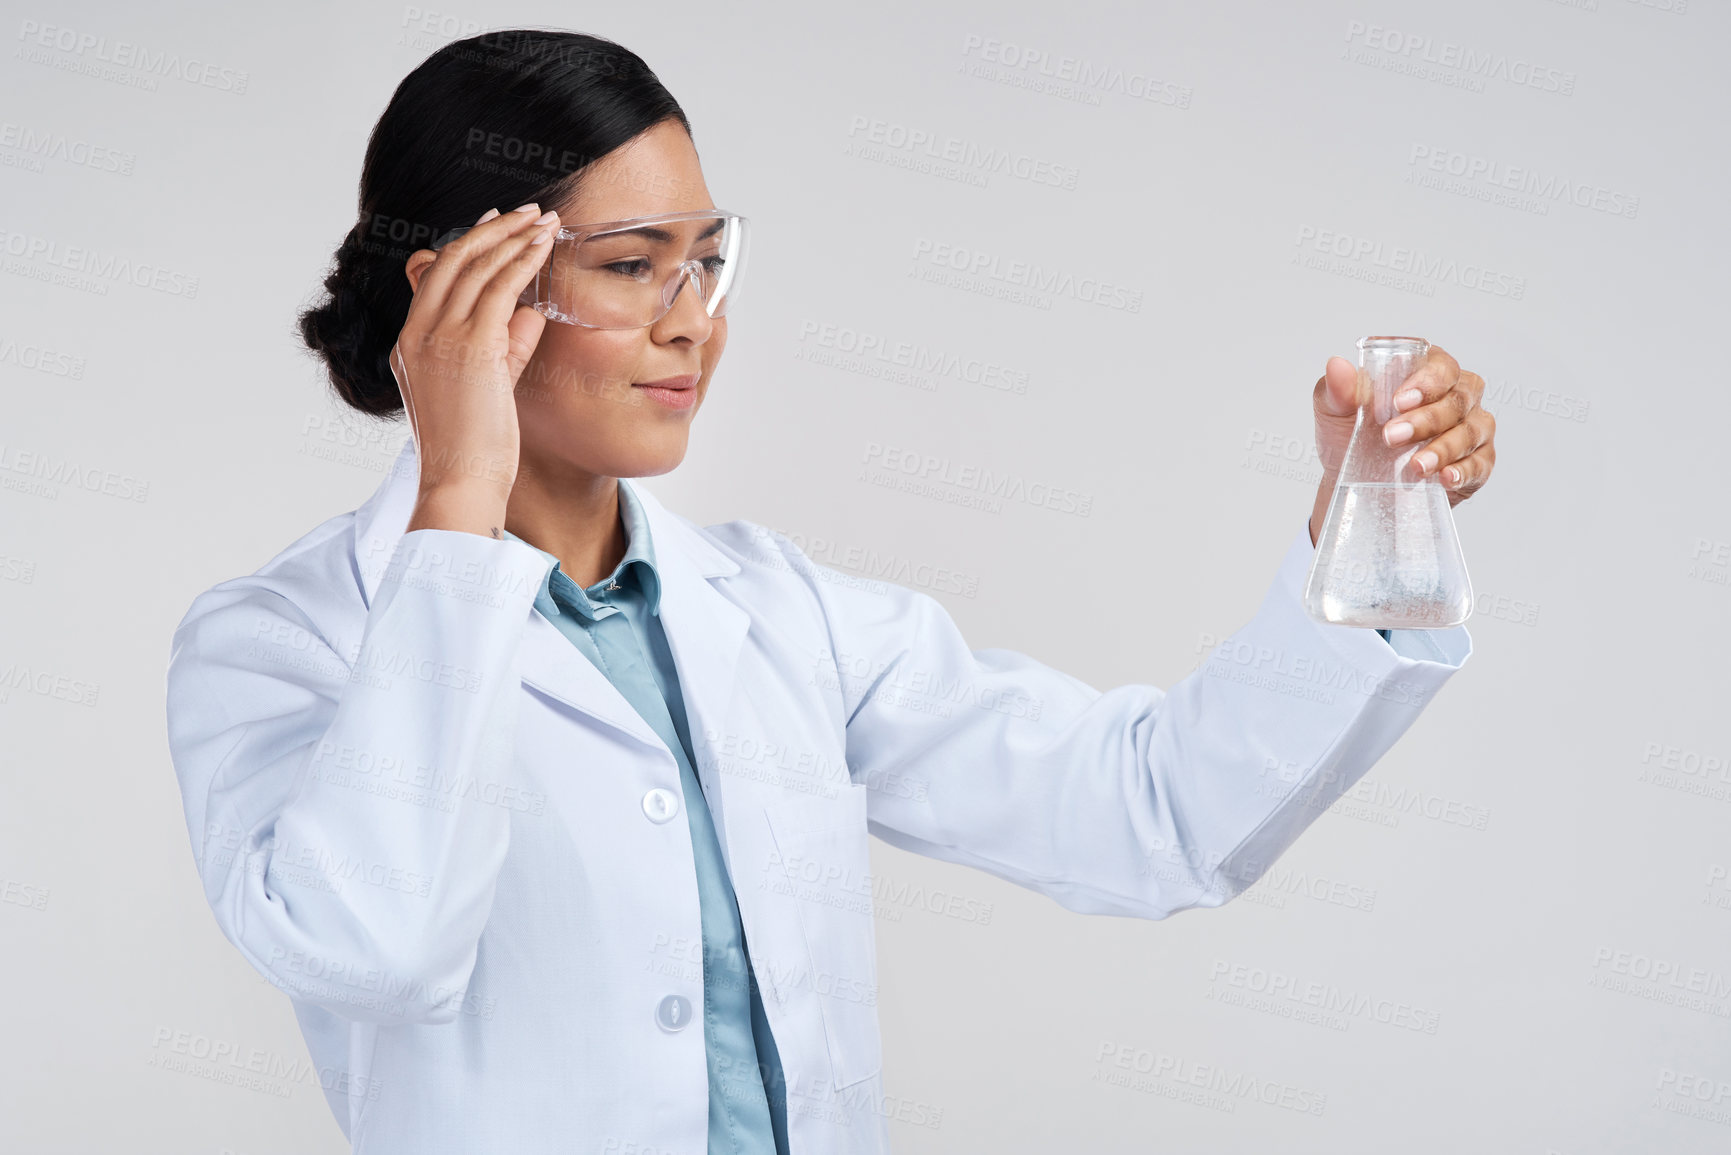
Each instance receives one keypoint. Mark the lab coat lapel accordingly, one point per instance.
(704, 630)
(551, 664)
(547, 661)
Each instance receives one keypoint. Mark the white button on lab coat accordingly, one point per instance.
(423, 814)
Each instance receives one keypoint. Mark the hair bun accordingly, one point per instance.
(347, 330)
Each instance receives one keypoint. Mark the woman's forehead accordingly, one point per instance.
(656, 172)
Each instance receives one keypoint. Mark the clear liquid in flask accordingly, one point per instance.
(1387, 558)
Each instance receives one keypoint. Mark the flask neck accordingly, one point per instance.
(1383, 366)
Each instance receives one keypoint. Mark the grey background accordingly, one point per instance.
(1553, 828)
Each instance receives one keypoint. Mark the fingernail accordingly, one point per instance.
(487, 216)
(528, 208)
(549, 215)
(1407, 398)
(541, 237)
(1426, 461)
(1398, 432)
(1453, 474)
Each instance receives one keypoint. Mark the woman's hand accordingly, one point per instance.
(1439, 401)
(463, 346)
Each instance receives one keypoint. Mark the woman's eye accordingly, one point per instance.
(715, 264)
(635, 269)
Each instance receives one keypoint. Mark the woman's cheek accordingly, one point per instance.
(717, 342)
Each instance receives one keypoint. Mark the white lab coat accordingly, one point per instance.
(423, 814)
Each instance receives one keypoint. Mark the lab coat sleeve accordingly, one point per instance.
(1137, 801)
(342, 793)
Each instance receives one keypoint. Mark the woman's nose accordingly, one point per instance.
(689, 271)
(696, 325)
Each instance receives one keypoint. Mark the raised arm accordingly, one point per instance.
(340, 757)
(1136, 801)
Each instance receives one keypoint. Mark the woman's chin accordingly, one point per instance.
(650, 461)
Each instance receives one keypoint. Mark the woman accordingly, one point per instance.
(547, 807)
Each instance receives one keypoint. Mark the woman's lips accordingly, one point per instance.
(673, 392)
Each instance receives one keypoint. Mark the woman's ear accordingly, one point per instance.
(416, 265)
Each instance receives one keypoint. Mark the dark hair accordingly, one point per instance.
(494, 121)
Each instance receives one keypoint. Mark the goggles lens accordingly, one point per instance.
(627, 274)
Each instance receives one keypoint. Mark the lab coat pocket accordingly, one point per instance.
(828, 869)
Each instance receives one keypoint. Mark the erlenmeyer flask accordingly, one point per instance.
(1387, 557)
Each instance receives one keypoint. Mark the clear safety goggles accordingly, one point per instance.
(626, 274)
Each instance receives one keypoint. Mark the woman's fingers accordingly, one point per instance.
(1440, 405)
(1463, 478)
(1455, 444)
(430, 286)
(1432, 380)
(458, 357)
(480, 253)
(1431, 383)
(1437, 413)
(519, 260)
(523, 333)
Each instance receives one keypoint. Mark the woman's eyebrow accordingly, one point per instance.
(662, 236)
